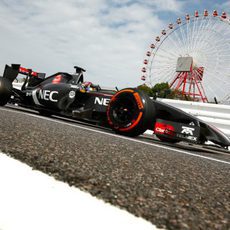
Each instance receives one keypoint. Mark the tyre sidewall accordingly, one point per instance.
(146, 115)
(5, 90)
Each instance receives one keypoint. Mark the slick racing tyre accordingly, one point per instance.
(5, 90)
(130, 112)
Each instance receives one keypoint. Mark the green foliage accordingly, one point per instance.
(162, 90)
(145, 89)
(176, 94)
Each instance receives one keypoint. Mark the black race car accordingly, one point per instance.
(128, 112)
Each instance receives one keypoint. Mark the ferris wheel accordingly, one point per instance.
(193, 56)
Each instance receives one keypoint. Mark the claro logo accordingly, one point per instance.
(102, 101)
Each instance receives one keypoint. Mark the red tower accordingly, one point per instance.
(188, 80)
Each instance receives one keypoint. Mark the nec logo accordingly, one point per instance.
(102, 101)
(47, 95)
(187, 130)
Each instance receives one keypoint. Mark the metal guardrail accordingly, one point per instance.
(217, 115)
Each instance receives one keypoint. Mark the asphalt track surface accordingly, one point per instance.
(174, 187)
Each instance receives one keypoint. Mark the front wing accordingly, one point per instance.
(177, 131)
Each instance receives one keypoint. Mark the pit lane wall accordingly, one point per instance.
(217, 115)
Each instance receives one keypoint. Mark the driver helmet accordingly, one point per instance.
(88, 86)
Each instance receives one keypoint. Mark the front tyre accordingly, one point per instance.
(130, 112)
(5, 90)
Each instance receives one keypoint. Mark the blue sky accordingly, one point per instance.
(109, 38)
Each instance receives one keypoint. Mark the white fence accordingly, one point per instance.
(215, 114)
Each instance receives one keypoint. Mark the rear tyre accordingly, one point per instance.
(5, 90)
(130, 112)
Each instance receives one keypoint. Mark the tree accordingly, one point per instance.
(161, 90)
(145, 89)
(176, 94)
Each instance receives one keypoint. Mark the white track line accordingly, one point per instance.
(30, 199)
(122, 137)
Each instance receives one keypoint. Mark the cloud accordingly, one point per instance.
(167, 5)
(108, 38)
(225, 6)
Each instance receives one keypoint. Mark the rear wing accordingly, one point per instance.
(11, 72)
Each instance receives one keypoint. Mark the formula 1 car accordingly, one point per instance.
(128, 112)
